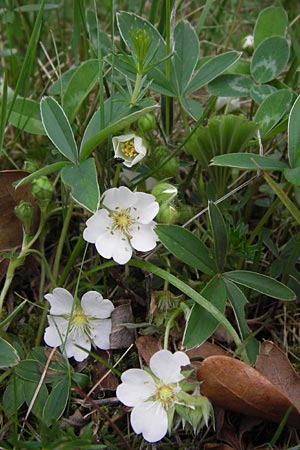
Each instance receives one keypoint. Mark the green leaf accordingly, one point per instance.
(269, 59)
(261, 283)
(272, 109)
(186, 51)
(248, 161)
(118, 114)
(25, 115)
(292, 175)
(41, 398)
(58, 128)
(200, 324)
(220, 234)
(294, 135)
(293, 209)
(211, 70)
(13, 397)
(271, 21)
(81, 83)
(8, 355)
(192, 107)
(57, 400)
(187, 247)
(82, 179)
(238, 301)
(60, 85)
(129, 23)
(41, 172)
(260, 91)
(230, 85)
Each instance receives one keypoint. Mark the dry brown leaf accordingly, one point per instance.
(234, 385)
(276, 367)
(11, 233)
(121, 336)
(217, 446)
(204, 350)
(147, 346)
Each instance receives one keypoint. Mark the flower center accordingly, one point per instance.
(122, 221)
(165, 394)
(79, 319)
(128, 149)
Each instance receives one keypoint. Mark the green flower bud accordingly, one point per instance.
(24, 210)
(164, 192)
(170, 168)
(30, 166)
(248, 43)
(167, 214)
(141, 41)
(147, 122)
(42, 190)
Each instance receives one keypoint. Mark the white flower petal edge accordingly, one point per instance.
(61, 301)
(151, 420)
(94, 305)
(137, 386)
(118, 198)
(167, 366)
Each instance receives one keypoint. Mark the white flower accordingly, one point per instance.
(248, 42)
(230, 102)
(124, 222)
(153, 397)
(72, 325)
(130, 148)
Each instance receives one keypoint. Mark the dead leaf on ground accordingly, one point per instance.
(234, 385)
(147, 345)
(121, 336)
(11, 233)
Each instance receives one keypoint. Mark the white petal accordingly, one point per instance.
(132, 162)
(56, 332)
(118, 198)
(100, 332)
(145, 207)
(151, 420)
(61, 301)
(114, 245)
(167, 366)
(137, 386)
(143, 237)
(97, 225)
(122, 138)
(94, 305)
(76, 338)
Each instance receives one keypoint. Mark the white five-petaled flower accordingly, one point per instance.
(73, 324)
(130, 148)
(124, 222)
(153, 397)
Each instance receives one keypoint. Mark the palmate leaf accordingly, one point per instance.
(272, 110)
(231, 85)
(187, 247)
(58, 128)
(200, 324)
(261, 283)
(269, 59)
(82, 179)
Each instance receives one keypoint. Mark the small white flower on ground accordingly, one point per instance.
(74, 324)
(153, 395)
(248, 42)
(130, 148)
(230, 102)
(124, 222)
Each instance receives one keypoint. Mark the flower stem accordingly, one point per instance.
(62, 240)
(169, 325)
(136, 88)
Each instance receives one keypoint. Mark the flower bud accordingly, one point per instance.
(164, 192)
(30, 166)
(248, 43)
(141, 41)
(147, 122)
(167, 214)
(24, 210)
(170, 168)
(42, 190)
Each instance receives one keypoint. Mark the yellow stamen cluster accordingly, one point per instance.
(165, 394)
(122, 221)
(128, 149)
(79, 319)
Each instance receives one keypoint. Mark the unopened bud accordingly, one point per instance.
(42, 190)
(167, 214)
(164, 192)
(24, 211)
(147, 122)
